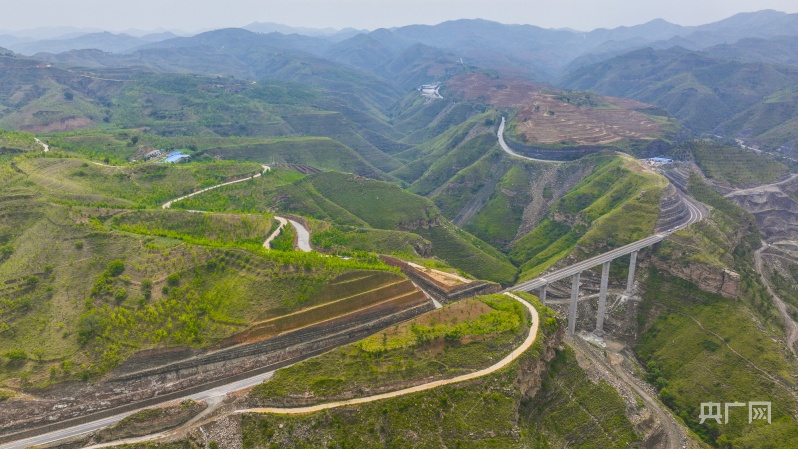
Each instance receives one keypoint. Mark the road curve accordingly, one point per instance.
(168, 204)
(302, 236)
(528, 342)
(283, 222)
(255, 380)
(508, 150)
(758, 189)
(44, 145)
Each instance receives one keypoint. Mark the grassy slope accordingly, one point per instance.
(72, 315)
(690, 358)
(320, 152)
(447, 165)
(72, 179)
(204, 229)
(460, 338)
(12, 142)
(704, 348)
(499, 220)
(343, 239)
(420, 158)
(735, 166)
(458, 190)
(571, 411)
(484, 413)
(345, 199)
(617, 204)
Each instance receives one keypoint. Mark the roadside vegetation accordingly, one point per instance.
(348, 201)
(486, 412)
(198, 228)
(701, 347)
(461, 337)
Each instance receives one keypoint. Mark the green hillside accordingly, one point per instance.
(487, 412)
(15, 142)
(733, 166)
(345, 199)
(87, 286)
(150, 185)
(499, 220)
(319, 152)
(701, 347)
(616, 204)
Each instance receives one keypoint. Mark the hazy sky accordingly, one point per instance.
(191, 15)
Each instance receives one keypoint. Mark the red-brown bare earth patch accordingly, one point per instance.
(548, 116)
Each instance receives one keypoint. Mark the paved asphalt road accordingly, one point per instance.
(96, 425)
(509, 151)
(697, 213)
(302, 236)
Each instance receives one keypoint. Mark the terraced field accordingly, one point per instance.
(388, 288)
(549, 116)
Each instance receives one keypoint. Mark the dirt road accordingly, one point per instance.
(674, 435)
(530, 339)
(790, 326)
(302, 236)
(168, 204)
(44, 145)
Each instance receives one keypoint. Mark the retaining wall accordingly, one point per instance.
(441, 292)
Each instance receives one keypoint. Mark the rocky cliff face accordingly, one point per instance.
(532, 369)
(432, 221)
(711, 279)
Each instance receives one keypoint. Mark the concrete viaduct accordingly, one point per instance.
(574, 271)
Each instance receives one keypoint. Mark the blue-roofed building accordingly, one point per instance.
(175, 156)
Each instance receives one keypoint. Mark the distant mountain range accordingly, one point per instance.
(525, 49)
(732, 77)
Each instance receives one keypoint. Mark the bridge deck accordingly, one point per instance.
(579, 267)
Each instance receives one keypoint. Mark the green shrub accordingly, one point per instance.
(115, 268)
(173, 279)
(17, 355)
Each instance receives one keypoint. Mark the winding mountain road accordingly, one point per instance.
(283, 222)
(528, 342)
(168, 204)
(508, 150)
(302, 236)
(82, 429)
(762, 188)
(697, 213)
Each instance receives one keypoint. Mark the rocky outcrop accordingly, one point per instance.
(428, 220)
(708, 278)
(532, 369)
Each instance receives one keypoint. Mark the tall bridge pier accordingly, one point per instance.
(575, 272)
